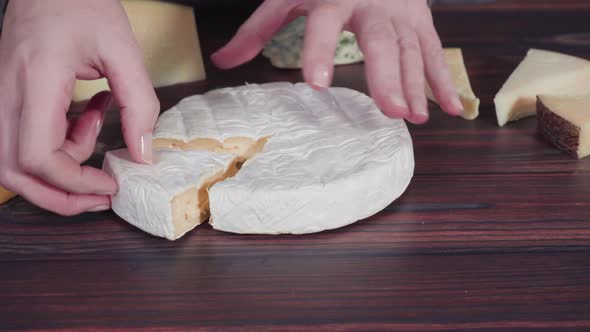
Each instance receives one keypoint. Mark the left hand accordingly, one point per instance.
(398, 39)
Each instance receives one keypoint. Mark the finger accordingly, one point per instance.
(437, 71)
(52, 199)
(255, 33)
(322, 32)
(42, 134)
(133, 91)
(378, 41)
(85, 129)
(412, 69)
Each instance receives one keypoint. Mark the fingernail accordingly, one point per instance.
(99, 208)
(146, 148)
(321, 76)
(401, 103)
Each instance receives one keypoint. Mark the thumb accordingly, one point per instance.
(134, 92)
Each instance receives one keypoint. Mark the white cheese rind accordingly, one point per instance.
(541, 72)
(146, 192)
(331, 158)
(167, 34)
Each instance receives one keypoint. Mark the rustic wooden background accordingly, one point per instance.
(492, 234)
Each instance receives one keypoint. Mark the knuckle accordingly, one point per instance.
(329, 8)
(408, 44)
(435, 52)
(377, 34)
(29, 162)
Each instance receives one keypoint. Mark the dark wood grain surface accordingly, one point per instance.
(492, 234)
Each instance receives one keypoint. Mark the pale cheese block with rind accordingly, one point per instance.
(565, 122)
(541, 72)
(168, 36)
(330, 157)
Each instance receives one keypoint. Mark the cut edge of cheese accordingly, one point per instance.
(460, 76)
(540, 72)
(191, 208)
(244, 147)
(5, 195)
(167, 34)
(564, 121)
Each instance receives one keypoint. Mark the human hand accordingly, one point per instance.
(397, 37)
(45, 46)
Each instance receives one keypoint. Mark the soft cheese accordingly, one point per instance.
(167, 35)
(541, 72)
(314, 160)
(167, 198)
(456, 64)
(565, 122)
(5, 195)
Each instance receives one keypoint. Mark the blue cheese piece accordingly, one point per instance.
(284, 50)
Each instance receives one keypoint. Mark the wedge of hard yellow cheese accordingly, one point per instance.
(167, 35)
(5, 195)
(461, 79)
(541, 72)
(565, 122)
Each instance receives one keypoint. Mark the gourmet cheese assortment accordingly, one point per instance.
(265, 159)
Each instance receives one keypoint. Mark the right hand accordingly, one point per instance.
(45, 47)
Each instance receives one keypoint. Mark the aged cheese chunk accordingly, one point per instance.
(169, 197)
(284, 50)
(167, 34)
(565, 122)
(459, 72)
(308, 160)
(541, 72)
(5, 195)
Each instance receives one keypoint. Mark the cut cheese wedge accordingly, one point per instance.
(565, 122)
(169, 197)
(308, 160)
(541, 72)
(470, 102)
(167, 35)
(5, 195)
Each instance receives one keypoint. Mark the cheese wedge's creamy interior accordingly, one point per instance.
(191, 208)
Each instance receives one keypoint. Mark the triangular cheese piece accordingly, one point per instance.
(459, 72)
(5, 195)
(565, 122)
(169, 197)
(541, 72)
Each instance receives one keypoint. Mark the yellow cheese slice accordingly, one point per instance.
(167, 35)
(541, 72)
(5, 195)
(461, 79)
(565, 122)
